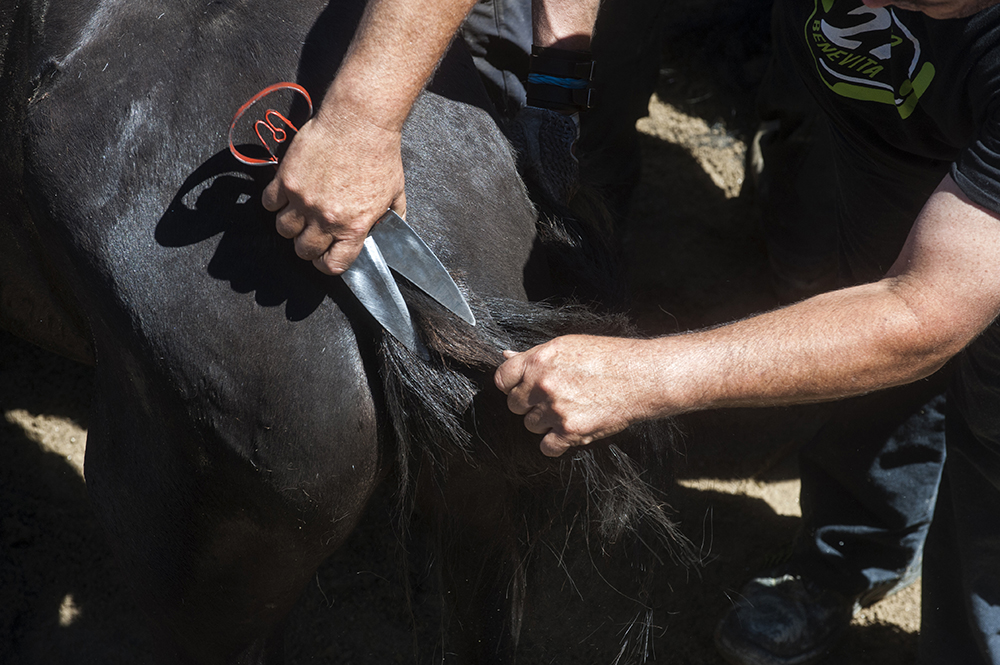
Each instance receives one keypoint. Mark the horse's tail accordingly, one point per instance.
(447, 414)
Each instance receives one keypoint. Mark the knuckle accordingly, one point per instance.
(545, 384)
(329, 218)
(542, 354)
(288, 227)
(308, 248)
(573, 429)
(516, 404)
(577, 429)
(289, 180)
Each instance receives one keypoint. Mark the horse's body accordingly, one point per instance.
(240, 423)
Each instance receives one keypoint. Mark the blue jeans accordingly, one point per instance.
(869, 483)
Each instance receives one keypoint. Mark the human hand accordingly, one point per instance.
(574, 389)
(338, 177)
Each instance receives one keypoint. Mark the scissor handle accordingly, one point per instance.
(278, 134)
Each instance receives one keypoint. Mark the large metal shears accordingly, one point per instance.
(391, 243)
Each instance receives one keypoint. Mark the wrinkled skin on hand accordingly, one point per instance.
(339, 176)
(574, 389)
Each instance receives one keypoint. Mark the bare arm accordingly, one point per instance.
(943, 290)
(343, 169)
(566, 24)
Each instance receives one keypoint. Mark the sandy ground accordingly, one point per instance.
(696, 259)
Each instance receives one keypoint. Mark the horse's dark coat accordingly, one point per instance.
(245, 406)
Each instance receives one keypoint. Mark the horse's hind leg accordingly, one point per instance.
(216, 547)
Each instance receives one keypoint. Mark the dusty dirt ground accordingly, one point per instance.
(696, 258)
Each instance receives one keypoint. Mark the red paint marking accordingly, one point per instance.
(267, 125)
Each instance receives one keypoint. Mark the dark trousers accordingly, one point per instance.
(961, 586)
(960, 620)
(834, 215)
(867, 498)
(626, 46)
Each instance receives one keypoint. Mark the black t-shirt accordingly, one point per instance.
(920, 95)
(916, 90)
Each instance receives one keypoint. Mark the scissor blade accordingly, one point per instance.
(370, 281)
(408, 255)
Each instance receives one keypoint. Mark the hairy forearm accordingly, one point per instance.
(942, 291)
(566, 24)
(835, 345)
(397, 47)
(576, 389)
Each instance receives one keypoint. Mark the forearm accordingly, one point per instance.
(566, 24)
(576, 389)
(397, 47)
(835, 345)
(943, 290)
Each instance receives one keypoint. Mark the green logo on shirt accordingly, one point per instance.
(852, 46)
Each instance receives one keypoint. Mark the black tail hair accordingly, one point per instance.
(441, 408)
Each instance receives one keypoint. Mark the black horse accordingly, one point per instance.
(245, 406)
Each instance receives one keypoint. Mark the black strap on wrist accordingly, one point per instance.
(560, 80)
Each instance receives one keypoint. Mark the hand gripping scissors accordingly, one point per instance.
(392, 243)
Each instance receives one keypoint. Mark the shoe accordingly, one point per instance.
(782, 619)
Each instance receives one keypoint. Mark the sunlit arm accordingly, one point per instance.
(344, 169)
(943, 290)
